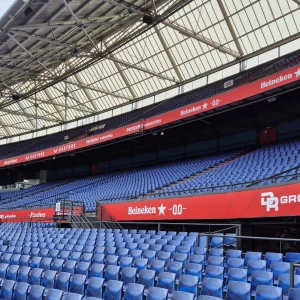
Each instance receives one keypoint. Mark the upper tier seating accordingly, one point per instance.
(59, 278)
(28, 146)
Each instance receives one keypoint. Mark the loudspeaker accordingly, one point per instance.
(28, 11)
(148, 20)
(15, 97)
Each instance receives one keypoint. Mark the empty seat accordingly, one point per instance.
(69, 266)
(35, 292)
(175, 267)
(233, 253)
(134, 292)
(7, 288)
(294, 294)
(12, 272)
(271, 256)
(95, 287)
(216, 252)
(255, 265)
(15, 259)
(261, 278)
(57, 265)
(188, 283)
(63, 281)
(23, 274)
(82, 268)
(214, 272)
(292, 256)
(265, 292)
(86, 257)
(279, 268)
(54, 294)
(72, 296)
(157, 293)
(113, 290)
(215, 261)
(177, 295)
(126, 262)
(234, 263)
(128, 276)
(197, 259)
(166, 280)
(35, 276)
(238, 290)
(24, 260)
(97, 270)
(77, 284)
(45, 263)
(212, 287)
(48, 279)
(35, 262)
(140, 263)
(194, 269)
(157, 266)
(284, 283)
(111, 260)
(181, 257)
(20, 291)
(252, 255)
(146, 278)
(111, 273)
(236, 274)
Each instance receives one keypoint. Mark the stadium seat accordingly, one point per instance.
(140, 263)
(35, 292)
(113, 290)
(134, 292)
(12, 272)
(292, 257)
(126, 262)
(279, 268)
(252, 255)
(111, 273)
(57, 265)
(177, 295)
(175, 267)
(212, 287)
(236, 274)
(188, 283)
(166, 280)
(261, 278)
(197, 259)
(157, 293)
(48, 279)
(95, 287)
(77, 284)
(82, 268)
(69, 266)
(194, 269)
(54, 294)
(284, 283)
(238, 290)
(264, 292)
(215, 261)
(214, 272)
(23, 274)
(20, 291)
(294, 294)
(129, 275)
(45, 263)
(35, 276)
(146, 278)
(72, 296)
(7, 288)
(255, 265)
(271, 256)
(62, 281)
(97, 270)
(157, 266)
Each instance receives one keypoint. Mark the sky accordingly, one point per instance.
(4, 6)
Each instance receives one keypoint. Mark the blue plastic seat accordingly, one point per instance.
(82, 268)
(7, 288)
(216, 241)
(111, 273)
(166, 280)
(20, 291)
(214, 272)
(284, 283)
(45, 263)
(6, 257)
(113, 290)
(157, 293)
(236, 274)
(178, 295)
(216, 252)
(72, 296)
(264, 292)
(98, 258)
(294, 294)
(238, 290)
(95, 287)
(234, 263)
(69, 266)
(279, 268)
(126, 262)
(122, 252)
(54, 294)
(35, 262)
(271, 256)
(97, 270)
(146, 278)
(149, 254)
(212, 287)
(188, 283)
(129, 275)
(111, 260)
(175, 267)
(157, 266)
(156, 247)
(24, 260)
(35, 276)
(292, 256)
(251, 255)
(253, 265)
(64, 254)
(12, 272)
(140, 263)
(77, 284)
(261, 278)
(134, 292)
(194, 270)
(215, 261)
(57, 265)
(23, 274)
(86, 257)
(136, 253)
(75, 256)
(233, 253)
(181, 257)
(35, 292)
(15, 259)
(48, 279)
(197, 259)
(62, 281)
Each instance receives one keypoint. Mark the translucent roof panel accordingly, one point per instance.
(68, 60)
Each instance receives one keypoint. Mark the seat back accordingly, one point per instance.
(113, 290)
(134, 292)
(238, 290)
(212, 287)
(268, 292)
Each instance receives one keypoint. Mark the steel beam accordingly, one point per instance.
(169, 54)
(202, 39)
(230, 27)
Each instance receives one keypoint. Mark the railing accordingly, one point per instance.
(106, 218)
(219, 188)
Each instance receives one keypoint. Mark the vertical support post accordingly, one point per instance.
(292, 275)
(158, 227)
(238, 232)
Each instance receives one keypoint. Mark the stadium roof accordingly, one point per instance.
(67, 59)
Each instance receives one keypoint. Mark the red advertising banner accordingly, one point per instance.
(274, 201)
(234, 95)
(26, 215)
